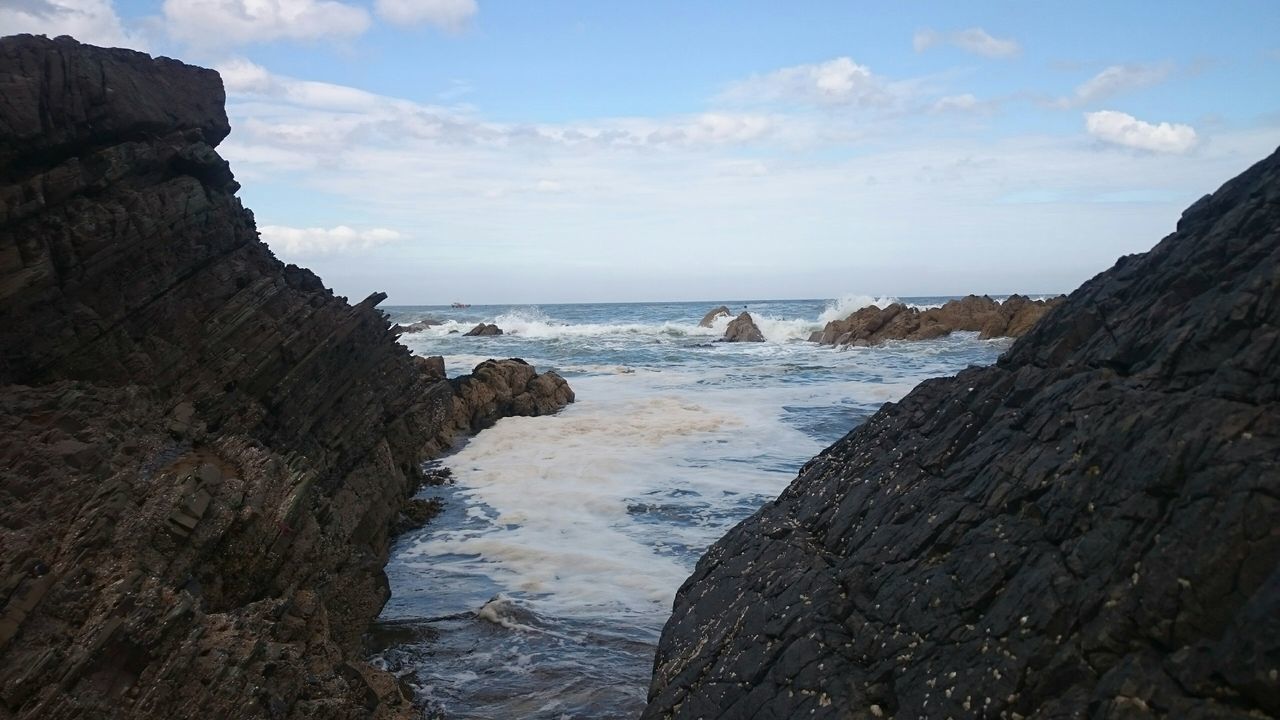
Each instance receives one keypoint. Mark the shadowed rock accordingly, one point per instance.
(202, 450)
(742, 329)
(1087, 528)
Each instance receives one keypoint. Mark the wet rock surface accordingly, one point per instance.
(874, 325)
(1089, 528)
(743, 329)
(714, 314)
(202, 450)
(484, 330)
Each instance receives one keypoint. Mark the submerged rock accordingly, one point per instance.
(1088, 527)
(743, 329)
(483, 330)
(714, 314)
(202, 450)
(416, 327)
(873, 325)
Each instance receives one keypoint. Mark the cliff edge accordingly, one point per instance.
(1090, 527)
(202, 449)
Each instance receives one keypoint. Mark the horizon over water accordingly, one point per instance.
(563, 539)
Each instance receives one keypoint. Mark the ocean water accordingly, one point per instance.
(541, 589)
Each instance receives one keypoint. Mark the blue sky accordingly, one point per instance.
(598, 151)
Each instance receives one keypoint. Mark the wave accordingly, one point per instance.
(533, 323)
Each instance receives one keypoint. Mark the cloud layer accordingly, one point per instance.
(1114, 80)
(1125, 130)
(451, 15)
(214, 23)
(291, 242)
(973, 40)
(91, 21)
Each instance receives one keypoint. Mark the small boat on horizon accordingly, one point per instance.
(459, 305)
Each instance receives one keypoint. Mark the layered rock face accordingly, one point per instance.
(873, 325)
(202, 449)
(1091, 527)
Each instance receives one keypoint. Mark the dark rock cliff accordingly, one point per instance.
(202, 449)
(1089, 528)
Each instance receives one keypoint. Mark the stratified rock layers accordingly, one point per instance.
(1091, 527)
(202, 450)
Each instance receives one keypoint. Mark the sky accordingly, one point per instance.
(490, 151)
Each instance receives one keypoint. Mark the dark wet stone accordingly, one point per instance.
(1086, 528)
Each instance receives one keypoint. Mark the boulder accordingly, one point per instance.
(432, 366)
(483, 330)
(1085, 528)
(714, 314)
(742, 329)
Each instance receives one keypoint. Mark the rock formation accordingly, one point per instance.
(742, 329)
(202, 450)
(714, 314)
(483, 330)
(1090, 527)
(872, 325)
(415, 327)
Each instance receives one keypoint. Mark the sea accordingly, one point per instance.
(541, 589)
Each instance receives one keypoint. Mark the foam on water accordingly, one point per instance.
(541, 589)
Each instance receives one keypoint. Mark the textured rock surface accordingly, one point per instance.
(714, 314)
(1089, 528)
(483, 330)
(872, 325)
(416, 327)
(202, 450)
(742, 329)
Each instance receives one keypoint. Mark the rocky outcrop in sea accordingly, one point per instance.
(484, 330)
(202, 449)
(742, 329)
(714, 314)
(874, 325)
(1088, 528)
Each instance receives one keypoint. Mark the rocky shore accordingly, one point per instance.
(873, 325)
(1088, 528)
(202, 450)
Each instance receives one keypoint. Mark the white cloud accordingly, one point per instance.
(840, 81)
(452, 15)
(90, 21)
(1123, 129)
(962, 103)
(309, 242)
(1114, 80)
(314, 116)
(973, 40)
(224, 23)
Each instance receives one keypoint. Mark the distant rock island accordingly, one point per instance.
(874, 325)
(1088, 528)
(203, 451)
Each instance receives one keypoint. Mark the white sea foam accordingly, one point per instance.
(586, 522)
(846, 305)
